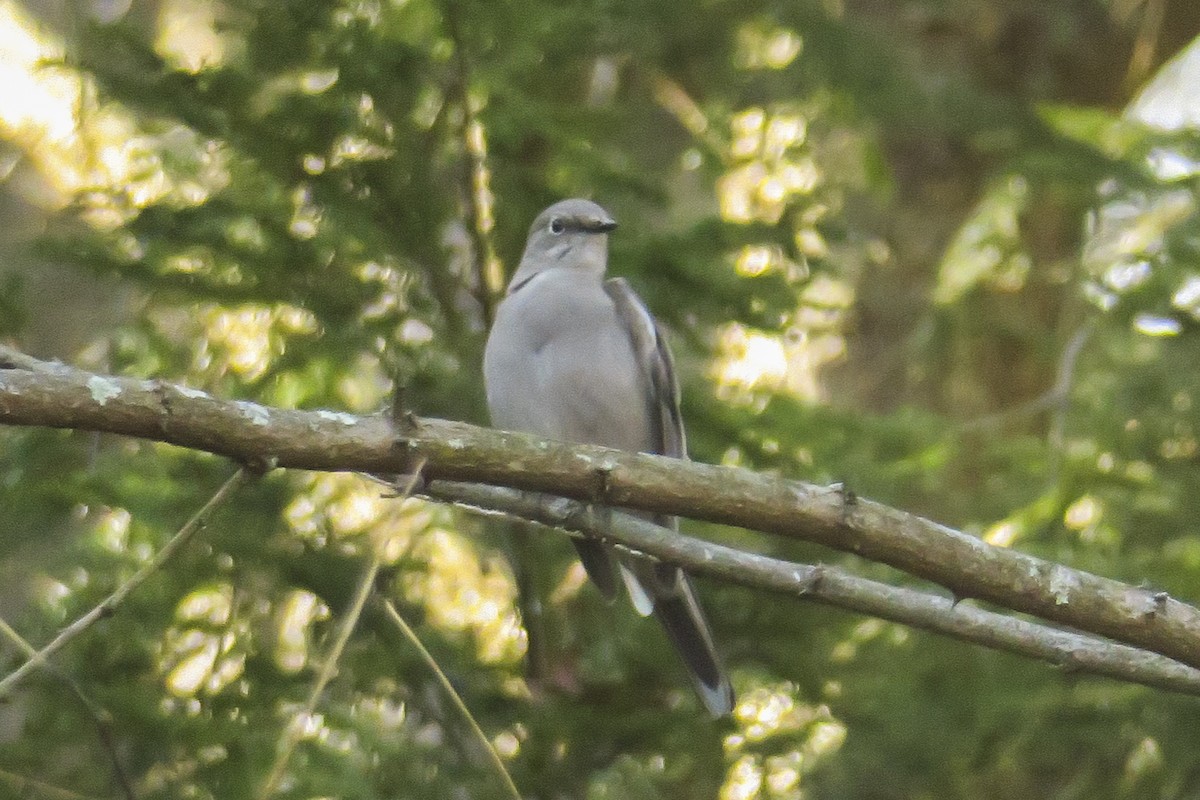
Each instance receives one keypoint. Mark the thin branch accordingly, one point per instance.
(63, 397)
(676, 101)
(390, 609)
(835, 587)
(28, 787)
(100, 716)
(1053, 399)
(1056, 437)
(1145, 44)
(111, 603)
(292, 732)
(476, 195)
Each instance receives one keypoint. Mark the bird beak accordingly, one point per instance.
(601, 224)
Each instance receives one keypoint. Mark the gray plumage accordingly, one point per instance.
(577, 358)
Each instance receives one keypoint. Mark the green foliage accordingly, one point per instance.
(863, 231)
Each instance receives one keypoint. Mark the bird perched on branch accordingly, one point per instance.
(578, 358)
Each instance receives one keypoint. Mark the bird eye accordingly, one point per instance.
(557, 226)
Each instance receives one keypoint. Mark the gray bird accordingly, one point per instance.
(578, 358)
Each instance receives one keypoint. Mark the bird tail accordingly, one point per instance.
(680, 615)
(598, 564)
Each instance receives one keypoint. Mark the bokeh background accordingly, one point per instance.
(946, 252)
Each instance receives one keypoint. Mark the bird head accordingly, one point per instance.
(571, 233)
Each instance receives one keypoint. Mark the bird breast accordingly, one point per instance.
(559, 363)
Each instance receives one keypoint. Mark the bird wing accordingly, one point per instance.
(658, 368)
(654, 587)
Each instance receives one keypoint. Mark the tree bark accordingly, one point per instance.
(54, 395)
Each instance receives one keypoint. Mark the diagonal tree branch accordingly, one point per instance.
(59, 396)
(350, 620)
(389, 609)
(110, 604)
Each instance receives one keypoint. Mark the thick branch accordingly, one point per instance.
(835, 587)
(58, 396)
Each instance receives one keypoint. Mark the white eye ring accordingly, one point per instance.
(557, 226)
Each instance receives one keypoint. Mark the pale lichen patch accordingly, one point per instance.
(192, 394)
(258, 415)
(1062, 582)
(103, 389)
(338, 416)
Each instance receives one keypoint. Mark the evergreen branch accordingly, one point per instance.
(28, 787)
(390, 610)
(100, 716)
(110, 604)
(349, 621)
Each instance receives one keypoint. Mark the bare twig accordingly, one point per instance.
(322, 440)
(1062, 387)
(476, 194)
(448, 688)
(835, 587)
(292, 732)
(675, 100)
(100, 716)
(1145, 43)
(110, 604)
(1054, 399)
(28, 787)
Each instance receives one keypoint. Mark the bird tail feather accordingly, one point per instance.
(680, 615)
(598, 564)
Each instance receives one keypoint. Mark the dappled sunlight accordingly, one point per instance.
(246, 340)
(246, 343)
(1003, 534)
(1088, 518)
(1084, 513)
(40, 102)
(292, 648)
(204, 650)
(750, 365)
(988, 250)
(356, 514)
(327, 732)
(1127, 234)
(463, 590)
(190, 36)
(749, 360)
(1157, 325)
(111, 529)
(864, 632)
(772, 167)
(1134, 232)
(799, 735)
(306, 214)
(773, 177)
(508, 743)
(1145, 759)
(762, 47)
(92, 153)
(242, 340)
